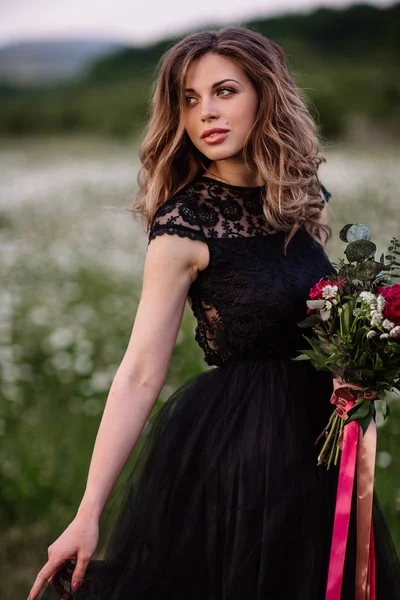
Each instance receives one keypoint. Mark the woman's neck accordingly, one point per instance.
(234, 173)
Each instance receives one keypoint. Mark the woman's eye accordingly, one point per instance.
(226, 89)
(191, 99)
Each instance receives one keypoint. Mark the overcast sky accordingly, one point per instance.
(136, 21)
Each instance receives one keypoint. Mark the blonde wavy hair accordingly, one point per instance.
(282, 146)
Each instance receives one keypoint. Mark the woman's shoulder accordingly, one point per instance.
(179, 214)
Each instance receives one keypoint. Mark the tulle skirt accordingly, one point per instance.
(226, 501)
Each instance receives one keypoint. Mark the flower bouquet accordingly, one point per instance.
(355, 319)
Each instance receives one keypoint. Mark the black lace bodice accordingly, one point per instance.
(249, 298)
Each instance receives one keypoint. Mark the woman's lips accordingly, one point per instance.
(215, 138)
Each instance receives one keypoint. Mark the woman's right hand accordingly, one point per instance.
(79, 541)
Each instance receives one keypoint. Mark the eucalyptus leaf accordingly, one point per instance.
(360, 249)
(367, 270)
(359, 231)
(343, 232)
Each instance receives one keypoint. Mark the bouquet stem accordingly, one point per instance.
(330, 449)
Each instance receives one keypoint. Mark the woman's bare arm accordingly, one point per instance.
(171, 266)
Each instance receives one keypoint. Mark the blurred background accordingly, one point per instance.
(75, 81)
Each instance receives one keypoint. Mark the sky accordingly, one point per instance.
(137, 21)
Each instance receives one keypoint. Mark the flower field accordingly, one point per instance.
(71, 260)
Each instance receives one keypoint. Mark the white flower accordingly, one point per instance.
(316, 304)
(60, 338)
(387, 324)
(324, 307)
(376, 318)
(384, 336)
(368, 297)
(371, 334)
(381, 302)
(356, 311)
(329, 291)
(325, 314)
(395, 331)
(334, 301)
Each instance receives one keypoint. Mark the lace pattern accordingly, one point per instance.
(247, 300)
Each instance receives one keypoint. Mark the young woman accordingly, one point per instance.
(225, 501)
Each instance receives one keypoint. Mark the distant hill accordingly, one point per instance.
(346, 60)
(326, 34)
(51, 61)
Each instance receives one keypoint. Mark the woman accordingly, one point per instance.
(225, 500)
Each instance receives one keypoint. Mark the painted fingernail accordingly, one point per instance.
(75, 585)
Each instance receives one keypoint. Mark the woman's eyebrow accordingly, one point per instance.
(215, 84)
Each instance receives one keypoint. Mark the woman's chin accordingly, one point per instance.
(218, 154)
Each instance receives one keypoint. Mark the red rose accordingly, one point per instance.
(316, 291)
(391, 309)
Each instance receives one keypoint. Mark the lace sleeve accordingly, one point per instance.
(177, 218)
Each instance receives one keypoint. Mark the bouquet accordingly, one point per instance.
(355, 320)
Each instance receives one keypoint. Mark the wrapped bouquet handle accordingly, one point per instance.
(357, 449)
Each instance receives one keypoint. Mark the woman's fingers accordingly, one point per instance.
(77, 543)
(44, 575)
(79, 571)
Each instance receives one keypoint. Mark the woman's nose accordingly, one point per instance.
(208, 110)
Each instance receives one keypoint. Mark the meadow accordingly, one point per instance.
(71, 261)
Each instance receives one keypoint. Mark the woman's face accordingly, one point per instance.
(221, 107)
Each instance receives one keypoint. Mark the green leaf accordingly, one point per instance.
(343, 232)
(359, 411)
(301, 357)
(364, 423)
(363, 358)
(347, 316)
(359, 231)
(310, 321)
(347, 271)
(360, 249)
(367, 270)
(385, 408)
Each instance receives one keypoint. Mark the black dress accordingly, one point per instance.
(226, 501)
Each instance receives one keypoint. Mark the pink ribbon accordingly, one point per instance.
(361, 450)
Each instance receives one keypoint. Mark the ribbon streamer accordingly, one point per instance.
(361, 450)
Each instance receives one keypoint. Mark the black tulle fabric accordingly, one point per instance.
(225, 501)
